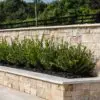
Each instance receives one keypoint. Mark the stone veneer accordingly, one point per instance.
(87, 34)
(50, 87)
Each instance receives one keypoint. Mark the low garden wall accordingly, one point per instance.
(50, 87)
(87, 34)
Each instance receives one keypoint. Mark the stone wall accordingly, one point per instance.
(50, 87)
(87, 34)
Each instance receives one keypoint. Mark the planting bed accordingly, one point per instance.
(47, 56)
(58, 73)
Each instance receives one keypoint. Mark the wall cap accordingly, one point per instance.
(48, 78)
(51, 27)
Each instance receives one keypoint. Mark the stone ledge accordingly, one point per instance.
(51, 27)
(48, 78)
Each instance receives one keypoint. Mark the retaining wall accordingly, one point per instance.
(50, 87)
(87, 34)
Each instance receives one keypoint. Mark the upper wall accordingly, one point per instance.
(87, 34)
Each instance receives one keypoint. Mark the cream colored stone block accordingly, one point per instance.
(68, 93)
(80, 93)
(68, 87)
(27, 85)
(21, 87)
(15, 85)
(2, 75)
(5, 81)
(11, 80)
(87, 38)
(44, 93)
(33, 91)
(44, 90)
(78, 87)
(95, 87)
(84, 97)
(41, 92)
(39, 83)
(33, 83)
(94, 95)
(55, 92)
(59, 86)
(21, 78)
(96, 53)
(98, 67)
(96, 37)
(12, 76)
(48, 94)
(46, 85)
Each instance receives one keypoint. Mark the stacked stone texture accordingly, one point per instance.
(49, 90)
(88, 35)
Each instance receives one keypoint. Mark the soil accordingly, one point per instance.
(49, 72)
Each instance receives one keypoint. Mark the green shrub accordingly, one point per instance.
(16, 53)
(32, 49)
(4, 51)
(76, 59)
(46, 54)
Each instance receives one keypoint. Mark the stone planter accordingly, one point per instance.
(50, 87)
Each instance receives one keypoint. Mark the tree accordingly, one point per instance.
(18, 10)
(15, 9)
(95, 4)
(66, 7)
(2, 12)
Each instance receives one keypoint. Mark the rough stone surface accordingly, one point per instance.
(47, 89)
(87, 34)
(50, 87)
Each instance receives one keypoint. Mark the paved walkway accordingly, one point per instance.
(9, 94)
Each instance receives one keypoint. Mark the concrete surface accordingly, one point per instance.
(9, 94)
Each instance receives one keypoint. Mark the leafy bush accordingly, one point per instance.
(16, 54)
(75, 59)
(48, 55)
(4, 50)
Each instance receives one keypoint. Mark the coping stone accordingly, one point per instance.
(48, 78)
(51, 27)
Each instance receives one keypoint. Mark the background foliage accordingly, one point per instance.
(19, 10)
